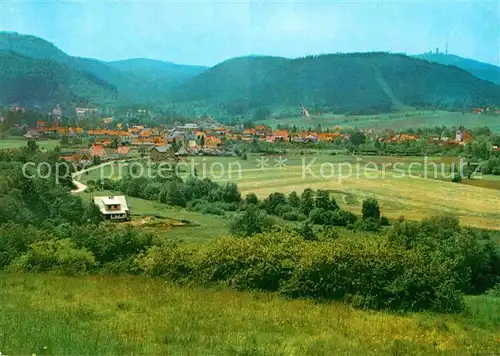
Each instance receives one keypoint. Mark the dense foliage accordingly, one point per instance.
(352, 83)
(36, 73)
(387, 275)
(407, 266)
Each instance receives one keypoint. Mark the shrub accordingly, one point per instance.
(293, 199)
(305, 230)
(61, 255)
(251, 198)
(369, 224)
(494, 291)
(385, 277)
(342, 217)
(273, 202)
(307, 201)
(384, 221)
(457, 178)
(476, 261)
(370, 209)
(328, 233)
(171, 194)
(251, 222)
(319, 216)
(291, 216)
(15, 240)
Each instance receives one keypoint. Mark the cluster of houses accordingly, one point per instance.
(181, 140)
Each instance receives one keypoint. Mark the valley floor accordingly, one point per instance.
(48, 314)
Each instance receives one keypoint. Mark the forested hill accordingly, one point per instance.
(479, 69)
(356, 82)
(37, 73)
(82, 80)
(44, 83)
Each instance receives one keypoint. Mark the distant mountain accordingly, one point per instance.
(131, 83)
(163, 75)
(44, 83)
(354, 83)
(479, 69)
(35, 72)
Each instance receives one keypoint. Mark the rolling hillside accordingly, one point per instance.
(479, 69)
(354, 83)
(43, 83)
(163, 74)
(38, 73)
(129, 85)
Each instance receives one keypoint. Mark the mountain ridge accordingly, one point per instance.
(341, 83)
(129, 87)
(480, 69)
(367, 82)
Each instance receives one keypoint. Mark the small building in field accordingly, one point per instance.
(32, 134)
(113, 208)
(162, 153)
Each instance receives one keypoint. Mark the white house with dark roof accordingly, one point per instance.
(113, 208)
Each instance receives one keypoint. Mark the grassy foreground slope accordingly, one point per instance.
(133, 315)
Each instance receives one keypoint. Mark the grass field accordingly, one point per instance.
(352, 179)
(412, 196)
(21, 142)
(205, 227)
(54, 315)
(395, 121)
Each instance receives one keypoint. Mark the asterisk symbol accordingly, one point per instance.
(280, 162)
(262, 162)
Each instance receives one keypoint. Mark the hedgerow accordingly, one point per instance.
(385, 277)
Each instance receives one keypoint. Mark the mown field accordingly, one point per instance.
(399, 183)
(395, 121)
(21, 142)
(46, 314)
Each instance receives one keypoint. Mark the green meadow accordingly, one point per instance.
(394, 121)
(11, 143)
(415, 187)
(46, 314)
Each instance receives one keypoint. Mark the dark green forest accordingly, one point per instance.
(35, 73)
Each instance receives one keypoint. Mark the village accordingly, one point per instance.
(191, 139)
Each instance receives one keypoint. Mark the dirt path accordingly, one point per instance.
(75, 176)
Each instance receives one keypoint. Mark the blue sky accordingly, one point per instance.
(209, 32)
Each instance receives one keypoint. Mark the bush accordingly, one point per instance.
(386, 277)
(342, 218)
(172, 194)
(15, 240)
(494, 291)
(273, 202)
(109, 244)
(251, 198)
(61, 255)
(370, 209)
(319, 216)
(384, 221)
(294, 200)
(457, 178)
(305, 230)
(369, 224)
(328, 233)
(294, 216)
(476, 261)
(251, 222)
